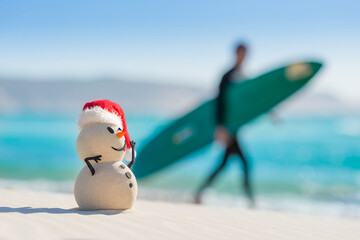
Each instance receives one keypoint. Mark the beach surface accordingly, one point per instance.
(26, 214)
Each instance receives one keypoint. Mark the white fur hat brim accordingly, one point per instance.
(97, 115)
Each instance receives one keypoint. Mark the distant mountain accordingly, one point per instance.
(306, 102)
(70, 96)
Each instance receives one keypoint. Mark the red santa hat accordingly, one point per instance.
(105, 111)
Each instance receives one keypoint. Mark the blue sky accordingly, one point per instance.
(178, 41)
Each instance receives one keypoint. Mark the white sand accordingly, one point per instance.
(45, 215)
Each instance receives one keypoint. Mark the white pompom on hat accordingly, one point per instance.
(105, 111)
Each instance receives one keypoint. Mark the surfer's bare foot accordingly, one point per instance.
(251, 204)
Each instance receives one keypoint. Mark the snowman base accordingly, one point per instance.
(112, 187)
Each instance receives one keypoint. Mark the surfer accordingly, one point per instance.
(222, 134)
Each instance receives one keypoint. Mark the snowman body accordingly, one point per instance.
(105, 182)
(113, 186)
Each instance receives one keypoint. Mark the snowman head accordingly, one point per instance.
(103, 132)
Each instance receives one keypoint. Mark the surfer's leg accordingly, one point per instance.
(209, 181)
(246, 180)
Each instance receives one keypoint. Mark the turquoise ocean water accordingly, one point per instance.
(303, 162)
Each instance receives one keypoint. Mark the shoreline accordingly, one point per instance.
(273, 203)
(281, 203)
(48, 215)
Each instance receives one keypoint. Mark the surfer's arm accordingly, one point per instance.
(219, 116)
(221, 132)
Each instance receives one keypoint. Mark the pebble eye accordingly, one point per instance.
(110, 130)
(119, 129)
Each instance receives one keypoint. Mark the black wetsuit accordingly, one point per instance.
(233, 147)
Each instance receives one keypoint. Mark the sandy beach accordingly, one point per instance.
(28, 214)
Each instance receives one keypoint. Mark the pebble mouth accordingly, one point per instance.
(120, 149)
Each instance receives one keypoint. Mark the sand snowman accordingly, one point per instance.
(105, 182)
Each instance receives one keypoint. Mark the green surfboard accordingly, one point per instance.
(244, 101)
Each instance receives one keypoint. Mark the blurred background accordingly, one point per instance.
(161, 59)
